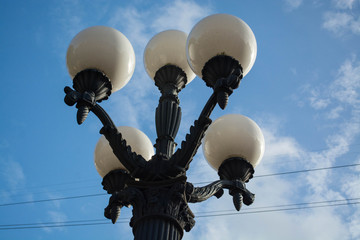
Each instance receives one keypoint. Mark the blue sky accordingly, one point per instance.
(303, 91)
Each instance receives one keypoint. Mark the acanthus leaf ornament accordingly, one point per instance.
(156, 186)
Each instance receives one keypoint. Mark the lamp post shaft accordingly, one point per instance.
(157, 228)
(156, 186)
(170, 80)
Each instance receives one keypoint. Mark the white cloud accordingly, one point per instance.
(280, 146)
(299, 224)
(343, 97)
(344, 4)
(346, 87)
(133, 24)
(135, 104)
(343, 92)
(341, 23)
(180, 15)
(291, 5)
(335, 112)
(58, 217)
(281, 151)
(318, 102)
(12, 173)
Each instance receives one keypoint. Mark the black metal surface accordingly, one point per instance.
(160, 202)
(170, 80)
(222, 73)
(220, 66)
(160, 194)
(240, 171)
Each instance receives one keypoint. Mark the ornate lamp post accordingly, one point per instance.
(220, 49)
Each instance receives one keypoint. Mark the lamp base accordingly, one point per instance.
(90, 86)
(220, 66)
(240, 171)
(170, 78)
(92, 80)
(236, 169)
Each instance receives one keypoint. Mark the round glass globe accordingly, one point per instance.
(221, 34)
(105, 159)
(233, 135)
(105, 49)
(167, 47)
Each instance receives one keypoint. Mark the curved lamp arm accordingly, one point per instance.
(223, 88)
(236, 188)
(86, 102)
(184, 155)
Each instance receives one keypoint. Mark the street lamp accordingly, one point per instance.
(220, 49)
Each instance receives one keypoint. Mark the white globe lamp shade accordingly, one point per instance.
(233, 135)
(104, 49)
(167, 48)
(105, 159)
(221, 34)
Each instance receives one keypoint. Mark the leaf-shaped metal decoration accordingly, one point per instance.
(82, 114)
(222, 99)
(237, 200)
(115, 213)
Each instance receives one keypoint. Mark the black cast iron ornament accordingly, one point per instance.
(157, 189)
(101, 60)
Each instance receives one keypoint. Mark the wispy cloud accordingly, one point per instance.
(341, 23)
(341, 94)
(344, 97)
(303, 224)
(343, 20)
(13, 181)
(291, 5)
(57, 217)
(139, 26)
(180, 15)
(344, 4)
(318, 102)
(12, 173)
(285, 152)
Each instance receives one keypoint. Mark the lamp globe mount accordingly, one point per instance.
(218, 45)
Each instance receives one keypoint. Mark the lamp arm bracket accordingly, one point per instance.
(223, 88)
(125, 197)
(184, 155)
(132, 162)
(236, 188)
(86, 102)
(199, 194)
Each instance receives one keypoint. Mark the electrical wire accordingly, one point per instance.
(92, 179)
(53, 199)
(298, 171)
(308, 170)
(278, 210)
(258, 176)
(285, 205)
(75, 223)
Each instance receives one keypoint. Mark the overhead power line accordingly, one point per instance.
(288, 205)
(308, 170)
(93, 179)
(53, 199)
(299, 171)
(285, 207)
(279, 210)
(258, 176)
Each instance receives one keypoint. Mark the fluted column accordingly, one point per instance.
(170, 80)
